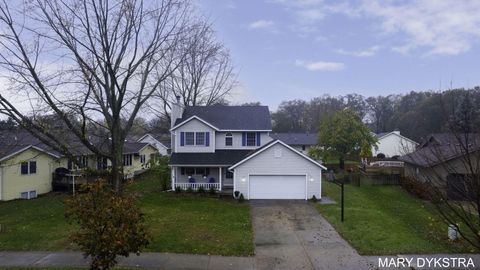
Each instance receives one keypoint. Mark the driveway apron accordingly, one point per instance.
(291, 234)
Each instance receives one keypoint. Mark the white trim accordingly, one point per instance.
(400, 135)
(26, 148)
(244, 130)
(234, 186)
(151, 136)
(220, 176)
(274, 143)
(306, 188)
(191, 118)
(248, 186)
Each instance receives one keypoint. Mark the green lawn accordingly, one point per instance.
(382, 220)
(184, 224)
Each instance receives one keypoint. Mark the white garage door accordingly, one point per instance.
(277, 187)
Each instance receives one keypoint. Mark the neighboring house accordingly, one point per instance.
(26, 166)
(441, 159)
(159, 141)
(392, 144)
(299, 141)
(229, 147)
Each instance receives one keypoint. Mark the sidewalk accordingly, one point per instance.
(145, 260)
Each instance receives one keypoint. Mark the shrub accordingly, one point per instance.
(381, 155)
(178, 189)
(212, 190)
(189, 190)
(314, 199)
(241, 199)
(201, 190)
(416, 187)
(161, 171)
(109, 224)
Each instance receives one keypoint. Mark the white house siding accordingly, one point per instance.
(194, 125)
(289, 163)
(394, 144)
(162, 150)
(237, 140)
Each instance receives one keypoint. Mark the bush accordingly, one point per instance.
(314, 199)
(201, 190)
(109, 224)
(161, 171)
(178, 189)
(381, 155)
(189, 190)
(415, 187)
(212, 190)
(241, 199)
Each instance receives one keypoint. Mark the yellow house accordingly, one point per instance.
(26, 172)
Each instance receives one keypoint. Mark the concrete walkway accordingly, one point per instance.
(292, 235)
(145, 260)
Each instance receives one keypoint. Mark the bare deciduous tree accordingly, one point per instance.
(87, 62)
(205, 76)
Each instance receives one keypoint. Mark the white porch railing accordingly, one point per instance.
(195, 186)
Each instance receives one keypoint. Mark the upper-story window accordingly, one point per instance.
(195, 138)
(228, 139)
(251, 138)
(189, 138)
(199, 138)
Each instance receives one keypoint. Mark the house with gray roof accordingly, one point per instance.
(446, 160)
(299, 141)
(229, 148)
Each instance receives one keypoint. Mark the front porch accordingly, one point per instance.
(194, 177)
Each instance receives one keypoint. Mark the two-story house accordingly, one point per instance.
(229, 148)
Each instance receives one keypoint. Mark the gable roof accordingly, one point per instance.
(161, 138)
(442, 147)
(270, 144)
(13, 142)
(382, 135)
(229, 117)
(296, 138)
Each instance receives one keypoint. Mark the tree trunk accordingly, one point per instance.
(341, 164)
(117, 159)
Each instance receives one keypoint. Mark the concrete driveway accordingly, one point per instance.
(292, 235)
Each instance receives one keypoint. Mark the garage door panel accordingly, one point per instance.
(277, 187)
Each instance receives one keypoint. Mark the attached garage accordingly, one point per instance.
(277, 186)
(277, 171)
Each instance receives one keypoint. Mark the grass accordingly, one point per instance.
(182, 224)
(384, 220)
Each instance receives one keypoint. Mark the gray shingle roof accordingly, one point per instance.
(441, 147)
(296, 138)
(12, 141)
(231, 117)
(220, 157)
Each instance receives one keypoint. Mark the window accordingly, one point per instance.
(84, 161)
(101, 163)
(189, 138)
(199, 138)
(200, 171)
(142, 159)
(28, 195)
(251, 139)
(190, 171)
(127, 160)
(228, 174)
(29, 167)
(228, 139)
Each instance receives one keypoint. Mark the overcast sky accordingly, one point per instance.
(287, 49)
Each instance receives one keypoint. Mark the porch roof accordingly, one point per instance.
(220, 157)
